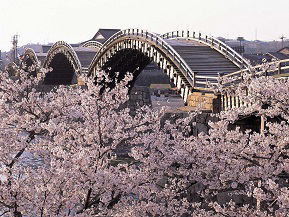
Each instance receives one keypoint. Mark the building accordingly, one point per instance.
(280, 54)
(102, 35)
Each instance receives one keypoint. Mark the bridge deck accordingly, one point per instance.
(202, 59)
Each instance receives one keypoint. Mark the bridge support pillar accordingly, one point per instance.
(210, 101)
(262, 124)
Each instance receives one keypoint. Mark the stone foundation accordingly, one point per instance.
(138, 97)
(199, 122)
(212, 101)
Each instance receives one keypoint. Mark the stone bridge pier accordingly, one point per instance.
(211, 102)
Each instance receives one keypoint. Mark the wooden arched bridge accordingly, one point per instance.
(192, 61)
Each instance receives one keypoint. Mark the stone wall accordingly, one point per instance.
(138, 97)
(212, 101)
(199, 123)
(148, 77)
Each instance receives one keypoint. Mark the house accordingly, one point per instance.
(280, 55)
(102, 35)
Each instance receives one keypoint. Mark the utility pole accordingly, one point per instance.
(1, 60)
(282, 38)
(15, 48)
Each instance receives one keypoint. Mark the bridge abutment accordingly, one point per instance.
(211, 102)
(138, 97)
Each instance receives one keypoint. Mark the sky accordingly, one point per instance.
(73, 21)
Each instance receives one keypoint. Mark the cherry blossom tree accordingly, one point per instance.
(59, 149)
(75, 151)
(227, 172)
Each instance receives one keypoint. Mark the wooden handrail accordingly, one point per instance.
(204, 82)
(73, 58)
(149, 37)
(161, 43)
(94, 44)
(258, 70)
(215, 43)
(209, 77)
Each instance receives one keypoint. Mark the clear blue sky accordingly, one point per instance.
(74, 21)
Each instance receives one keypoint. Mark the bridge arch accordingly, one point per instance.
(92, 44)
(12, 69)
(127, 46)
(30, 58)
(133, 49)
(30, 55)
(65, 65)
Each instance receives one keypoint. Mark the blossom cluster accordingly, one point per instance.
(74, 151)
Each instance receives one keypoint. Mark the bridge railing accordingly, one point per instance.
(214, 43)
(274, 68)
(29, 52)
(207, 83)
(152, 38)
(278, 69)
(94, 44)
(63, 46)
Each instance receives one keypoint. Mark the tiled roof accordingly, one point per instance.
(278, 55)
(45, 48)
(106, 33)
(256, 58)
(85, 55)
(286, 49)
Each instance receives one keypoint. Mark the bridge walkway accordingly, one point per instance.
(202, 59)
